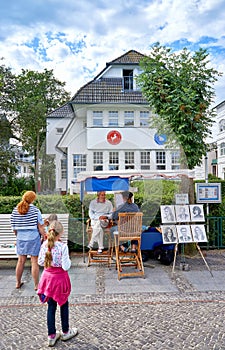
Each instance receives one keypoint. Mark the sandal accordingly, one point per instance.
(19, 285)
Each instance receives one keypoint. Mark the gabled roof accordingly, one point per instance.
(65, 111)
(130, 57)
(107, 90)
(220, 104)
(110, 90)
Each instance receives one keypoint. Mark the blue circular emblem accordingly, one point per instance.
(160, 139)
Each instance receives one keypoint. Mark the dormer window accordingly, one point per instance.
(128, 79)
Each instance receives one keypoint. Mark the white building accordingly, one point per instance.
(104, 130)
(25, 162)
(220, 109)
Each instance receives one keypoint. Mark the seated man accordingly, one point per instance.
(100, 211)
(127, 207)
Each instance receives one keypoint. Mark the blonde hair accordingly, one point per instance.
(52, 217)
(28, 198)
(55, 229)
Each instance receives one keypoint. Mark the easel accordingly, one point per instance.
(200, 252)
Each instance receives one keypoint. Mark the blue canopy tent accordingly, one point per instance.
(95, 184)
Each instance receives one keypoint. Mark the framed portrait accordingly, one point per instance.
(198, 233)
(169, 234)
(197, 212)
(167, 214)
(182, 213)
(184, 234)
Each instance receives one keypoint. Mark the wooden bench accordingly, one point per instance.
(8, 238)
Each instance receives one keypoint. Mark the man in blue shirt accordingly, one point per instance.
(127, 207)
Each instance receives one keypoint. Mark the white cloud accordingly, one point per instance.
(77, 38)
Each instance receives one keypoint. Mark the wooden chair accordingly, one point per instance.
(129, 228)
(106, 255)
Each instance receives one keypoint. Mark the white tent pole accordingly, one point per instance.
(83, 232)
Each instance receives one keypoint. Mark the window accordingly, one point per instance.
(59, 130)
(127, 79)
(113, 118)
(113, 160)
(160, 160)
(79, 164)
(129, 118)
(129, 160)
(63, 168)
(145, 160)
(98, 161)
(222, 149)
(97, 118)
(222, 125)
(175, 160)
(144, 118)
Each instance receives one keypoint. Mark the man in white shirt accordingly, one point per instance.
(100, 211)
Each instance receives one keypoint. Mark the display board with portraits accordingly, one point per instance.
(181, 223)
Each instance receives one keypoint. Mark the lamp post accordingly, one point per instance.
(206, 179)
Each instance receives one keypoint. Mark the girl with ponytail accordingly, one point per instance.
(54, 286)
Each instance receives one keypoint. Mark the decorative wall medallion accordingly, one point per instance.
(114, 137)
(160, 139)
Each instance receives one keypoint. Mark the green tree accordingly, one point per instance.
(7, 88)
(7, 162)
(36, 95)
(179, 88)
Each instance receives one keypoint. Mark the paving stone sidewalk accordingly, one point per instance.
(180, 310)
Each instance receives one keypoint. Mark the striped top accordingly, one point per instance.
(26, 221)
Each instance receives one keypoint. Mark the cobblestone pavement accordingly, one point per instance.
(182, 319)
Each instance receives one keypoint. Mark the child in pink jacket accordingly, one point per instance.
(54, 286)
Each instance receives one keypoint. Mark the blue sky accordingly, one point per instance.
(76, 38)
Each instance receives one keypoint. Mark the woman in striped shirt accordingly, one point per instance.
(28, 226)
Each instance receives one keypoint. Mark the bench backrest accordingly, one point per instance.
(8, 238)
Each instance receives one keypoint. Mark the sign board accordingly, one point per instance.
(181, 198)
(208, 192)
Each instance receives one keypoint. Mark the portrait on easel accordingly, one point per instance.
(169, 234)
(184, 234)
(182, 213)
(197, 213)
(167, 214)
(199, 234)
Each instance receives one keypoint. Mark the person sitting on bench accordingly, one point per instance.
(127, 207)
(100, 212)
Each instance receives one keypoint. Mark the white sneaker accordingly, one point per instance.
(99, 251)
(70, 334)
(52, 341)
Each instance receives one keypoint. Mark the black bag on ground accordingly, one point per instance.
(165, 254)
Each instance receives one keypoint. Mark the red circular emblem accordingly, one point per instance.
(114, 137)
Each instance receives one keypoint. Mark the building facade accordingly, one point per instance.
(220, 140)
(104, 130)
